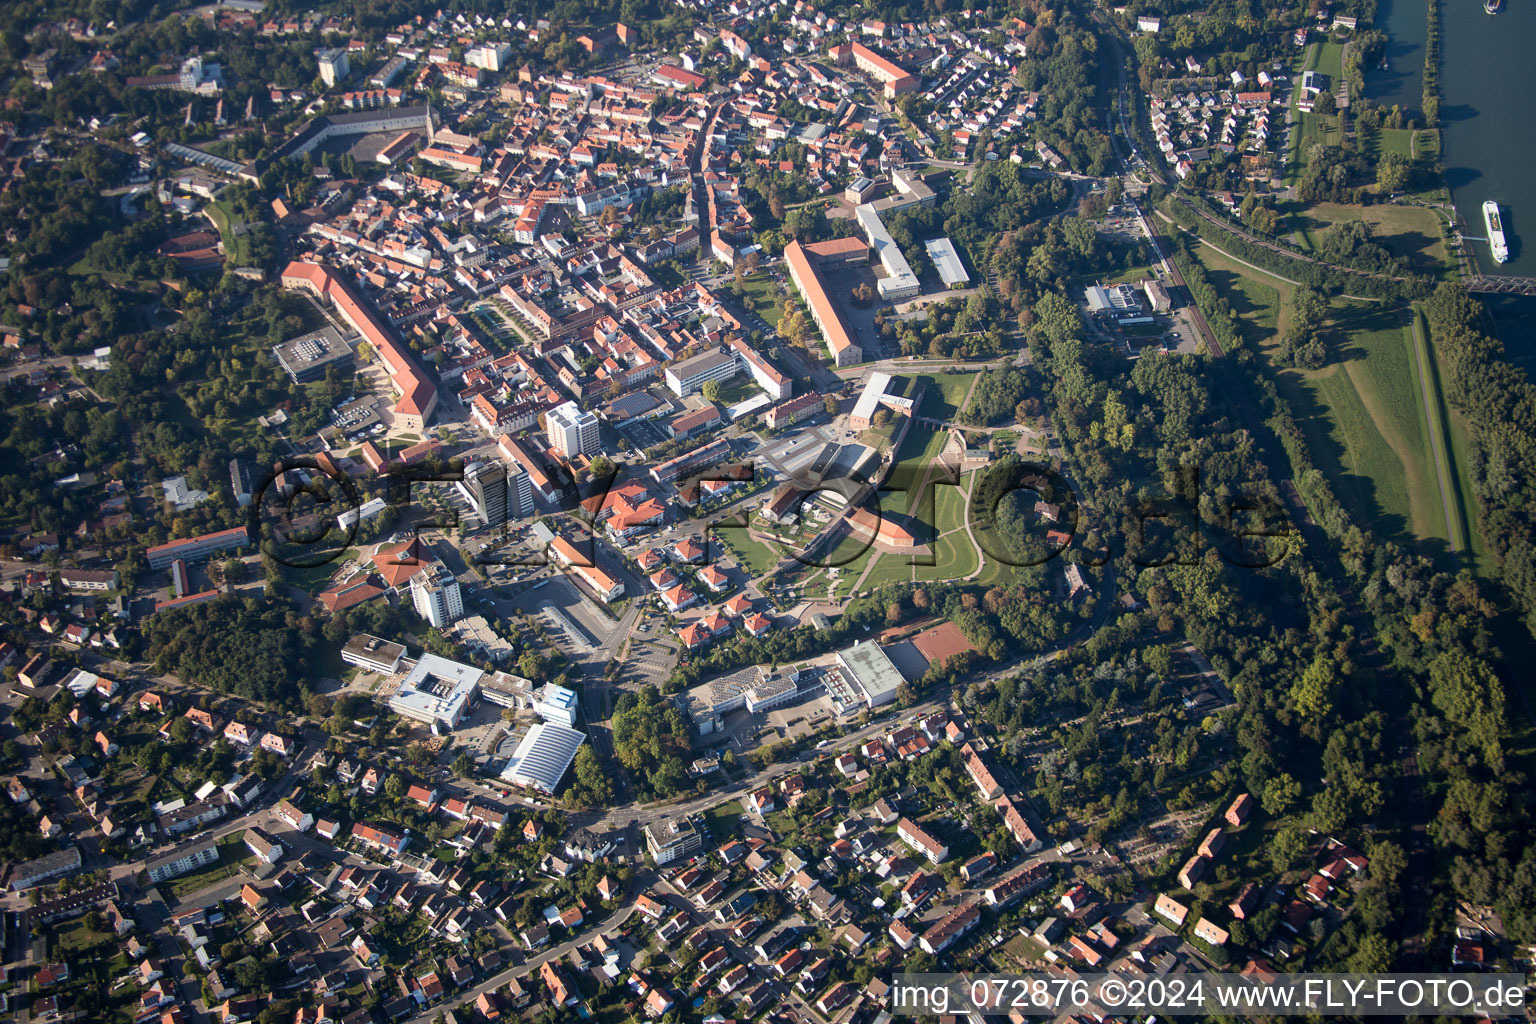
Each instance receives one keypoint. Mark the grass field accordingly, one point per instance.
(1459, 451)
(954, 557)
(230, 862)
(879, 438)
(237, 242)
(1412, 232)
(1133, 276)
(994, 572)
(758, 296)
(757, 556)
(944, 394)
(890, 568)
(1362, 414)
(1328, 57)
(948, 508)
(918, 452)
(849, 551)
(313, 578)
(1309, 129)
(1376, 141)
(1258, 300)
(849, 574)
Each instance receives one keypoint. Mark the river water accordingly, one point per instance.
(1487, 87)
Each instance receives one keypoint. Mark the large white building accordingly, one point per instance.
(672, 839)
(873, 672)
(690, 375)
(490, 56)
(543, 757)
(571, 431)
(333, 66)
(556, 704)
(900, 282)
(437, 691)
(436, 596)
(181, 860)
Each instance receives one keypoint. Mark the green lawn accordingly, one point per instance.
(229, 863)
(944, 393)
(879, 438)
(1326, 56)
(918, 453)
(1413, 232)
(738, 390)
(891, 568)
(1133, 276)
(1362, 413)
(921, 445)
(758, 296)
(724, 820)
(954, 557)
(1459, 450)
(757, 556)
(311, 579)
(1376, 141)
(237, 246)
(948, 508)
(1257, 300)
(849, 550)
(1385, 376)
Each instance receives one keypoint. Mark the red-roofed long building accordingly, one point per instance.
(804, 269)
(418, 395)
(895, 78)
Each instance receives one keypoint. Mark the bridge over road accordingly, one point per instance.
(1498, 284)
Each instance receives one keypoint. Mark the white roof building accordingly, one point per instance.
(947, 261)
(436, 691)
(873, 671)
(544, 756)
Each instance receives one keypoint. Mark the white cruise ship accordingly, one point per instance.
(1495, 231)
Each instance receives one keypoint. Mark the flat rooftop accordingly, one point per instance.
(873, 670)
(947, 261)
(436, 688)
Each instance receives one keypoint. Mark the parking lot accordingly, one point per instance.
(560, 595)
(651, 658)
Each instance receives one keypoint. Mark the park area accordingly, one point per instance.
(1363, 413)
(1412, 232)
(937, 506)
(944, 394)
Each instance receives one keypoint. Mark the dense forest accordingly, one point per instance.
(1499, 402)
(261, 649)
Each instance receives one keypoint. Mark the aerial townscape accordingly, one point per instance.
(689, 510)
